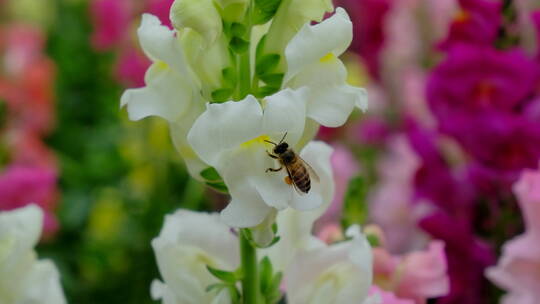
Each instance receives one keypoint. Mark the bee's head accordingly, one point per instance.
(281, 148)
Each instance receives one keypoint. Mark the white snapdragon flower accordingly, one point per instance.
(317, 273)
(292, 15)
(312, 62)
(337, 274)
(172, 89)
(188, 242)
(233, 138)
(23, 278)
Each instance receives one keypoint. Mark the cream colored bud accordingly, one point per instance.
(200, 15)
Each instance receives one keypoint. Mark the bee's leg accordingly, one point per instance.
(271, 155)
(274, 170)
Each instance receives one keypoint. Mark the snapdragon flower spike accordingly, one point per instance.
(233, 138)
(312, 61)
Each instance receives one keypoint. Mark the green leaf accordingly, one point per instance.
(273, 80)
(229, 77)
(266, 64)
(225, 276)
(222, 95)
(355, 207)
(264, 10)
(219, 186)
(239, 45)
(210, 174)
(238, 29)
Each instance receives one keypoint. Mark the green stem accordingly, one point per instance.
(244, 72)
(243, 60)
(250, 278)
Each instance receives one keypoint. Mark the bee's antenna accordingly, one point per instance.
(283, 137)
(271, 142)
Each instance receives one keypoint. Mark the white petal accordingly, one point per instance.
(43, 284)
(331, 107)
(166, 95)
(179, 131)
(224, 126)
(285, 112)
(24, 225)
(215, 239)
(294, 228)
(347, 266)
(160, 43)
(183, 251)
(313, 42)
(247, 207)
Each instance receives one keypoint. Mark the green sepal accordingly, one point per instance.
(249, 236)
(216, 287)
(273, 80)
(266, 273)
(264, 10)
(269, 282)
(222, 95)
(210, 174)
(265, 64)
(266, 91)
(233, 291)
(239, 45)
(260, 46)
(219, 186)
(229, 77)
(225, 276)
(238, 29)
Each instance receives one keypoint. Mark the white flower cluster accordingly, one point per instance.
(295, 84)
(23, 278)
(313, 272)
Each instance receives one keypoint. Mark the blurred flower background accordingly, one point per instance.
(443, 167)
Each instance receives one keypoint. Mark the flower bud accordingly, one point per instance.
(199, 15)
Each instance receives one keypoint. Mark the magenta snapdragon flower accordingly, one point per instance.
(477, 23)
(21, 185)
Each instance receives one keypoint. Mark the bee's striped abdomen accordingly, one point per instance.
(300, 177)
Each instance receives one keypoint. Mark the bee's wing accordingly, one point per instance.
(311, 171)
(293, 183)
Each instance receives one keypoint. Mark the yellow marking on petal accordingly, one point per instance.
(327, 58)
(257, 140)
(161, 65)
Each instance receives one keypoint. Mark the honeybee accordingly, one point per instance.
(299, 172)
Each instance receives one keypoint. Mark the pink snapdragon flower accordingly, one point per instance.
(388, 297)
(21, 186)
(418, 275)
(344, 167)
(392, 202)
(518, 270)
(111, 19)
